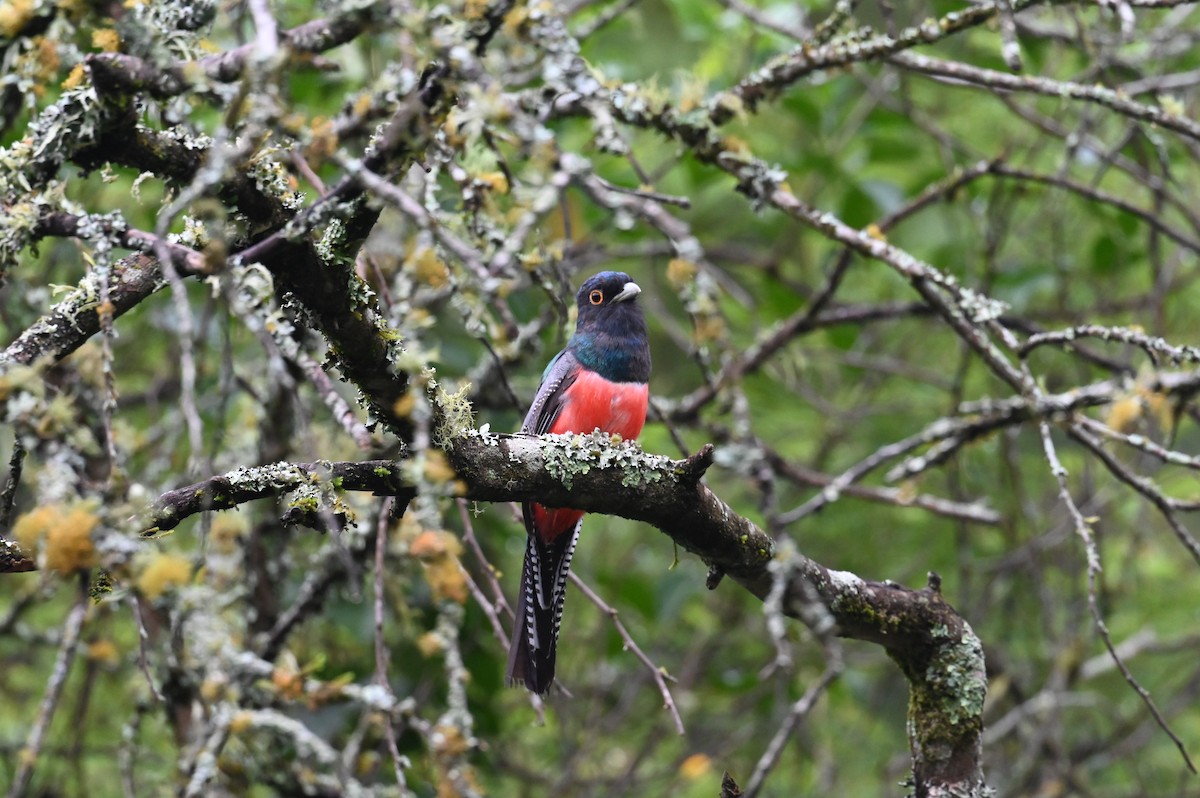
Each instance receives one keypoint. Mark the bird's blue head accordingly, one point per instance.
(610, 337)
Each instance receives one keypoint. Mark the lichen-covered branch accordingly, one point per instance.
(74, 320)
(932, 644)
(226, 491)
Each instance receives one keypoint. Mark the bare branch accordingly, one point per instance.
(993, 79)
(54, 687)
(1084, 530)
(659, 674)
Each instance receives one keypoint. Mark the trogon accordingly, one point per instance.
(598, 382)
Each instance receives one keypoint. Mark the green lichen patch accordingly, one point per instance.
(956, 675)
(567, 456)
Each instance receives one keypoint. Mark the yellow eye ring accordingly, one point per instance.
(596, 297)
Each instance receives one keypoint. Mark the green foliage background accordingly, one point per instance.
(859, 142)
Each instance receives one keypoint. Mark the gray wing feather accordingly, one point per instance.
(547, 404)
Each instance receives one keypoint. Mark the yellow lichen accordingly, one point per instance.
(496, 181)
(475, 9)
(515, 20)
(680, 272)
(366, 763)
(709, 328)
(60, 536)
(403, 406)
(735, 145)
(75, 78)
(69, 546)
(106, 40)
(1124, 413)
(227, 530)
(47, 56)
(430, 644)
(162, 573)
(32, 526)
(449, 741)
(14, 16)
(692, 93)
(104, 652)
(323, 143)
(241, 722)
(450, 746)
(329, 691)
(906, 493)
(1161, 409)
(288, 682)
(213, 689)
(427, 267)
(438, 552)
(362, 105)
(437, 468)
(695, 767)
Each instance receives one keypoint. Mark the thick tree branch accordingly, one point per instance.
(74, 320)
(932, 644)
(127, 74)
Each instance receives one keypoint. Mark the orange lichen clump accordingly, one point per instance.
(681, 272)
(695, 767)
(106, 40)
(59, 536)
(103, 652)
(75, 78)
(14, 16)
(439, 551)
(427, 267)
(227, 532)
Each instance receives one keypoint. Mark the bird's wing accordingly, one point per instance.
(559, 375)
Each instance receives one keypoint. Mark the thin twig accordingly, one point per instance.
(128, 750)
(1141, 443)
(1100, 95)
(399, 762)
(661, 677)
(489, 570)
(1153, 345)
(770, 757)
(1166, 505)
(54, 688)
(1084, 530)
(204, 766)
(143, 638)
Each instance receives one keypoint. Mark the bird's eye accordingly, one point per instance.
(596, 297)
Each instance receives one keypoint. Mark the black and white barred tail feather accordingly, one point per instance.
(539, 610)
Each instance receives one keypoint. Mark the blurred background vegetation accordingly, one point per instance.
(1068, 209)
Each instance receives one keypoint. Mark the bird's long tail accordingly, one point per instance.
(539, 609)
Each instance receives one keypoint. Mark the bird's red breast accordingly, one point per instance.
(592, 403)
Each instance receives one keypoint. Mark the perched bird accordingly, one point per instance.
(597, 382)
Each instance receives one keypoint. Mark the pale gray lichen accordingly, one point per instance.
(454, 416)
(570, 455)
